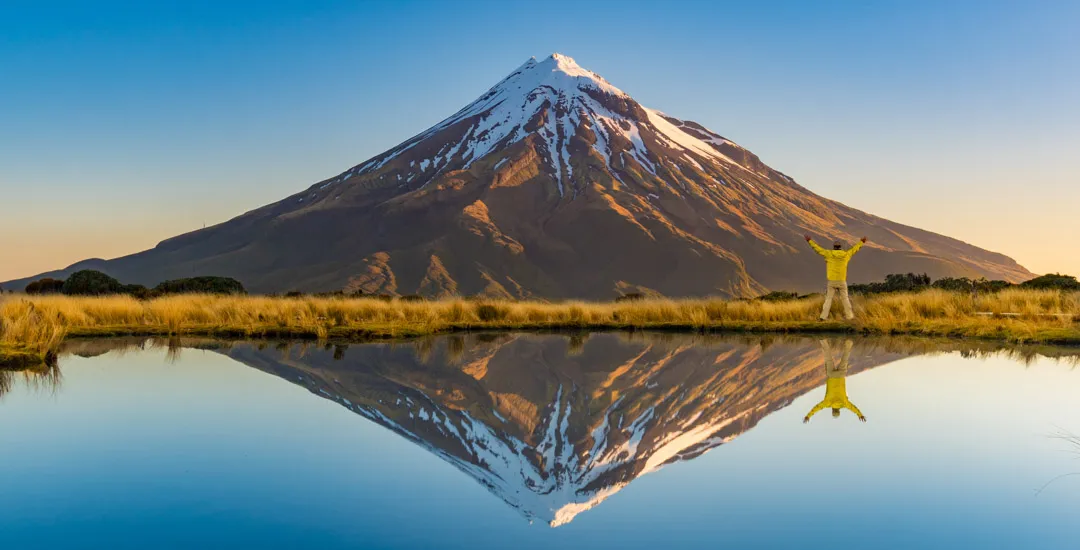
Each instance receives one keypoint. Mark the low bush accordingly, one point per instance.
(894, 282)
(45, 286)
(91, 283)
(955, 284)
(1052, 281)
(911, 282)
(201, 285)
(964, 284)
(779, 296)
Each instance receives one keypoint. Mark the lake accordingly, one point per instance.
(543, 441)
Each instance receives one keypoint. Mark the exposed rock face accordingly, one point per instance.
(555, 184)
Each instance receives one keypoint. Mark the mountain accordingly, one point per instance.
(554, 183)
(552, 425)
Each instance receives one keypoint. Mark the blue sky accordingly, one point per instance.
(125, 123)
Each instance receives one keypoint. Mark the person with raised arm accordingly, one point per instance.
(836, 262)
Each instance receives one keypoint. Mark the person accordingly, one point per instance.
(835, 385)
(836, 261)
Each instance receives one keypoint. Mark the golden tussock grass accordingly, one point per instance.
(38, 324)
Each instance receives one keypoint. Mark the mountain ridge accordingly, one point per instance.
(556, 184)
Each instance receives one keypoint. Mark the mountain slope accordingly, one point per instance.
(555, 184)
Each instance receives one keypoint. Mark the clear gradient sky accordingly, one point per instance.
(123, 123)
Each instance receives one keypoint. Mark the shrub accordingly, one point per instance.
(631, 297)
(412, 298)
(780, 296)
(1052, 281)
(91, 283)
(995, 285)
(45, 286)
(955, 284)
(201, 285)
(964, 284)
(294, 294)
(894, 282)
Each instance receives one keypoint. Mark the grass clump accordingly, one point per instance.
(28, 333)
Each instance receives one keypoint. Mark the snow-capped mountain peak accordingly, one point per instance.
(561, 71)
(566, 107)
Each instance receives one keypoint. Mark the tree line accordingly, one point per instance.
(916, 282)
(95, 283)
(912, 282)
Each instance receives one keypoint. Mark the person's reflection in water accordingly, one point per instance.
(836, 386)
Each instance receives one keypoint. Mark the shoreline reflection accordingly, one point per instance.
(554, 424)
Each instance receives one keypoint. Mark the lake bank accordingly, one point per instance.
(35, 326)
(17, 358)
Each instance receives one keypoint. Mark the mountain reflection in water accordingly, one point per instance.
(555, 424)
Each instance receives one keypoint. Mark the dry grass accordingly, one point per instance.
(27, 332)
(40, 323)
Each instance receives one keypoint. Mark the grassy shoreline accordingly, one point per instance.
(35, 326)
(18, 358)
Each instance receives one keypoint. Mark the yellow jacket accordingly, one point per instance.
(836, 260)
(835, 398)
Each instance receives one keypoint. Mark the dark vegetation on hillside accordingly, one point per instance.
(915, 282)
(1052, 281)
(95, 283)
(91, 283)
(334, 294)
(45, 286)
(782, 296)
(203, 285)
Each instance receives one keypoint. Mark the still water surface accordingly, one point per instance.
(542, 441)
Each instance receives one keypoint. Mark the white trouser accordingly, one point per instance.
(834, 287)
